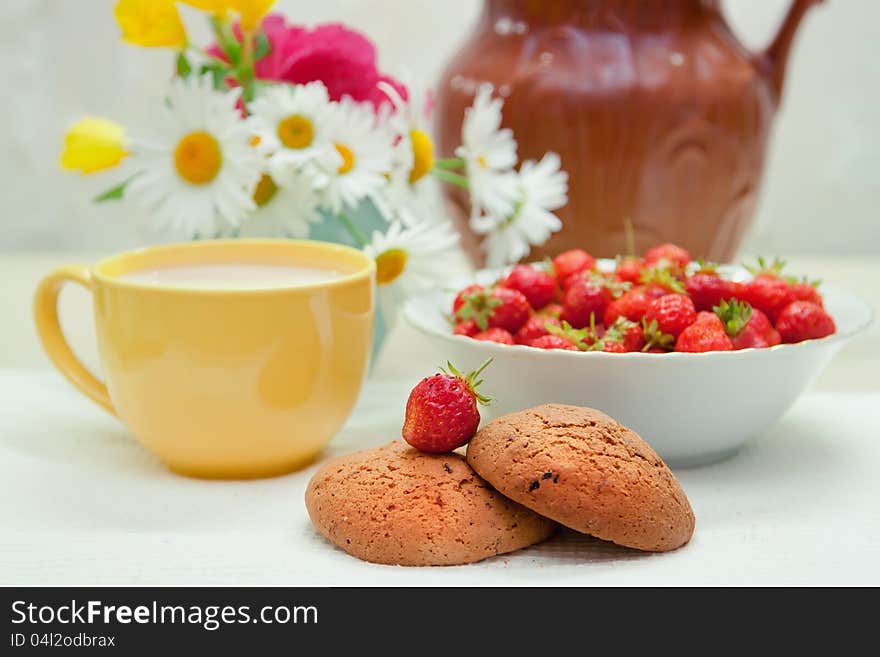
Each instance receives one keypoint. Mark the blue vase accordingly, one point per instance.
(368, 219)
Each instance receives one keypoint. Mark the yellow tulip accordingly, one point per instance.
(251, 12)
(92, 145)
(216, 7)
(150, 23)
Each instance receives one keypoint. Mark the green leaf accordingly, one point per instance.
(219, 72)
(113, 194)
(227, 41)
(219, 75)
(183, 66)
(263, 47)
(233, 51)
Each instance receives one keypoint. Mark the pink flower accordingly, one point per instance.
(281, 39)
(343, 59)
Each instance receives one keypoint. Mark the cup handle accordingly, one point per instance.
(46, 317)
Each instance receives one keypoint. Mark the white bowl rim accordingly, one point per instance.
(418, 322)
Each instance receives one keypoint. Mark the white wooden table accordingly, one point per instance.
(82, 503)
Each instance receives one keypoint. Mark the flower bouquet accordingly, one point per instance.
(276, 130)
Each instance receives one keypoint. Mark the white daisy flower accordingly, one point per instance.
(363, 155)
(410, 122)
(541, 187)
(489, 152)
(283, 211)
(411, 258)
(409, 204)
(198, 179)
(292, 123)
(410, 195)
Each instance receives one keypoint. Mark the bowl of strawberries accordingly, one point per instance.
(661, 342)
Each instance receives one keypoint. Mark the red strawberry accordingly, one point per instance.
(553, 342)
(804, 320)
(804, 291)
(631, 333)
(655, 291)
(461, 297)
(673, 313)
(760, 324)
(768, 294)
(746, 327)
(468, 328)
(614, 347)
(534, 328)
(583, 300)
(551, 310)
(675, 256)
(571, 262)
(441, 412)
(497, 308)
(705, 334)
(602, 279)
(537, 285)
(707, 289)
(629, 270)
(753, 336)
(498, 335)
(632, 305)
(568, 281)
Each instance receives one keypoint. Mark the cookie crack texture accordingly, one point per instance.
(608, 481)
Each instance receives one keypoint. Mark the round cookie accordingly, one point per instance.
(396, 505)
(586, 471)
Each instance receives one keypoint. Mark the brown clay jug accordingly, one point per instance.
(660, 115)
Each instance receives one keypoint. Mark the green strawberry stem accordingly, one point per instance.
(616, 288)
(578, 337)
(734, 314)
(654, 337)
(470, 379)
(774, 268)
(617, 331)
(663, 276)
(706, 266)
(479, 306)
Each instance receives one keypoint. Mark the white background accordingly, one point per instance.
(62, 59)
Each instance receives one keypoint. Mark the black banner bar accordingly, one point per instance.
(132, 620)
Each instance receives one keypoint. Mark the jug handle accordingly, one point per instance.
(773, 60)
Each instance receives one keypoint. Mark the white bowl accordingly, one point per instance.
(692, 409)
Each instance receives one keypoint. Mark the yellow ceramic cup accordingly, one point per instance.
(223, 383)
